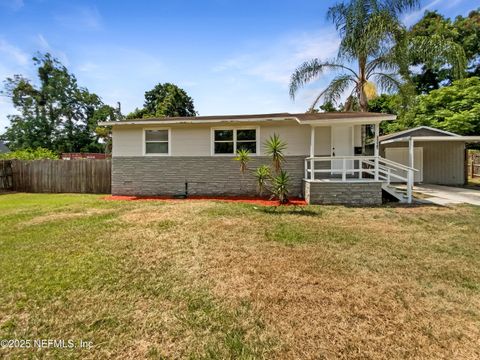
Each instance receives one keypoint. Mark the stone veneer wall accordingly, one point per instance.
(205, 175)
(348, 193)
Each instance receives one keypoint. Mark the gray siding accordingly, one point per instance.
(443, 161)
(205, 175)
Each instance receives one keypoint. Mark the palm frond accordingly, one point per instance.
(387, 82)
(310, 70)
(335, 89)
(436, 48)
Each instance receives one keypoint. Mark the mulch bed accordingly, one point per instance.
(237, 199)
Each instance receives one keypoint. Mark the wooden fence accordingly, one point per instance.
(6, 180)
(62, 176)
(474, 165)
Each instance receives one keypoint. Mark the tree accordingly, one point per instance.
(454, 108)
(165, 100)
(435, 71)
(373, 37)
(55, 114)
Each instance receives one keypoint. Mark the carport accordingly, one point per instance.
(438, 155)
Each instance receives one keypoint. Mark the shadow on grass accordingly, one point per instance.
(289, 210)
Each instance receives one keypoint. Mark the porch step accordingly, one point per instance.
(398, 193)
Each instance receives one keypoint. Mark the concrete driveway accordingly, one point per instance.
(447, 195)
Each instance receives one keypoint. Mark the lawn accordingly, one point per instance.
(212, 280)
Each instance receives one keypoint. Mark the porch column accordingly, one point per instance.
(312, 141)
(376, 149)
(312, 153)
(410, 151)
(410, 175)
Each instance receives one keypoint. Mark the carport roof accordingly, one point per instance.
(426, 133)
(467, 139)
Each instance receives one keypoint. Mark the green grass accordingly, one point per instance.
(212, 280)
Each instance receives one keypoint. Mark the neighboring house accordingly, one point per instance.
(3, 148)
(438, 155)
(195, 155)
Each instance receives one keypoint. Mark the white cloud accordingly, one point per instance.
(276, 61)
(13, 52)
(44, 46)
(81, 18)
(414, 16)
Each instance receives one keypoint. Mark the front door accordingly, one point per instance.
(342, 145)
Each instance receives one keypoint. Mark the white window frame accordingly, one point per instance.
(234, 128)
(169, 142)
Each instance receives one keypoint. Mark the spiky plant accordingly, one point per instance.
(274, 147)
(262, 174)
(280, 185)
(373, 36)
(243, 156)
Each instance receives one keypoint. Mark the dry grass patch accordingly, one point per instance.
(215, 280)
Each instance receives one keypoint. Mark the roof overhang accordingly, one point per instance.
(312, 122)
(467, 139)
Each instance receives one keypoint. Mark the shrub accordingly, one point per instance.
(30, 154)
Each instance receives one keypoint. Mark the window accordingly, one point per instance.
(156, 142)
(228, 141)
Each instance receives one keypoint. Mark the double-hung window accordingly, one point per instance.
(157, 142)
(228, 141)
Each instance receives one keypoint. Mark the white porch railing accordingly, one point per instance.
(353, 168)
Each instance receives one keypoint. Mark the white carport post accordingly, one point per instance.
(376, 149)
(410, 178)
(312, 153)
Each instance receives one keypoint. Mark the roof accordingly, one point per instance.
(467, 139)
(302, 118)
(416, 132)
(3, 148)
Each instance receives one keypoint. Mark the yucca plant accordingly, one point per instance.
(280, 186)
(275, 147)
(262, 174)
(243, 156)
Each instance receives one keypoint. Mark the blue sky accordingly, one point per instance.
(230, 56)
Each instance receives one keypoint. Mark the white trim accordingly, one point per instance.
(433, 138)
(315, 122)
(234, 128)
(169, 142)
(389, 136)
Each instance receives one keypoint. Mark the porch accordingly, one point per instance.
(346, 178)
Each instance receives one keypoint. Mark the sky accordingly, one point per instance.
(232, 57)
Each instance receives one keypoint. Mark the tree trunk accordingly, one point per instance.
(362, 97)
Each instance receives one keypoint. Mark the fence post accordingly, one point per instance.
(344, 169)
(360, 168)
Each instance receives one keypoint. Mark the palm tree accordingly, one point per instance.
(373, 37)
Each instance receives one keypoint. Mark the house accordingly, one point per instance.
(195, 156)
(439, 156)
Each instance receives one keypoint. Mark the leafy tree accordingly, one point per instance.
(454, 108)
(373, 37)
(165, 100)
(435, 71)
(55, 113)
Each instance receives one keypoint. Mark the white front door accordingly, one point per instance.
(342, 145)
(400, 155)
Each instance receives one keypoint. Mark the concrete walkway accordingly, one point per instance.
(447, 195)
